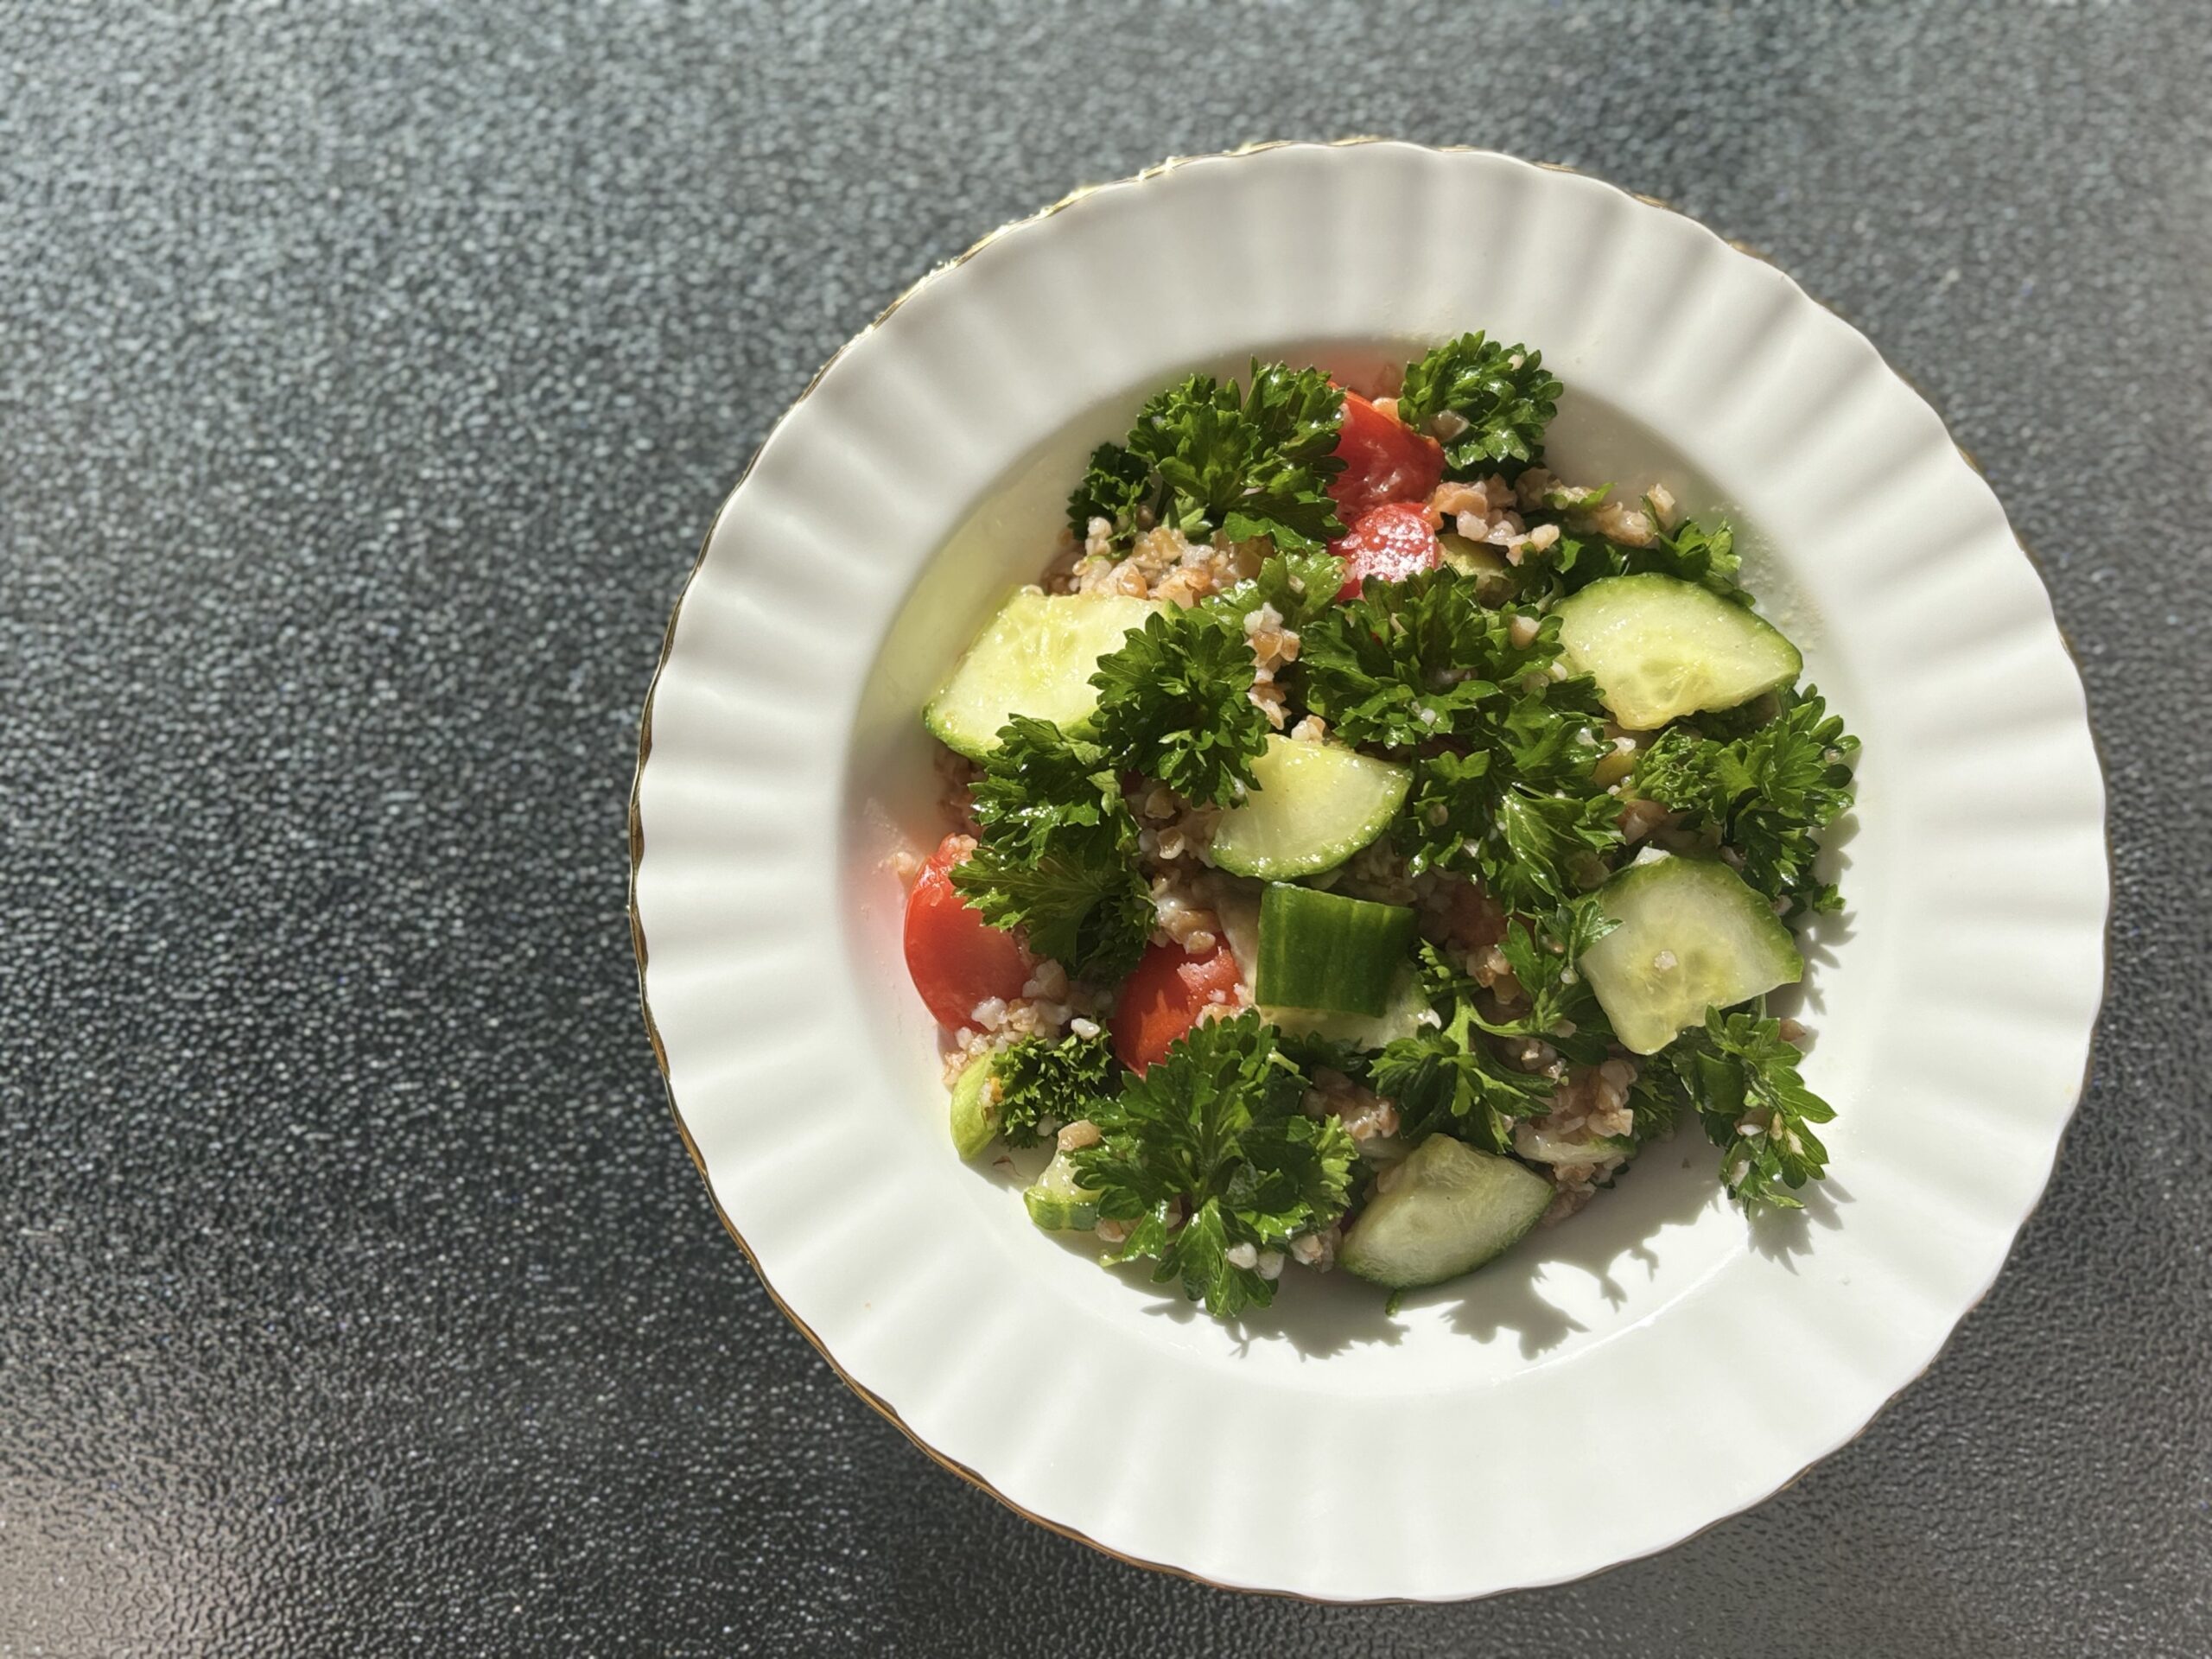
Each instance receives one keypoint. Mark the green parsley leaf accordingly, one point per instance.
(1551, 738)
(1313, 1053)
(1412, 661)
(1741, 1078)
(1766, 793)
(1205, 457)
(1044, 790)
(1689, 552)
(1547, 847)
(1076, 910)
(1496, 400)
(1115, 486)
(1042, 1081)
(1692, 553)
(1448, 809)
(1503, 780)
(1532, 848)
(1214, 1132)
(1446, 1076)
(1175, 703)
(1655, 1101)
(1562, 1008)
(1057, 851)
(1301, 586)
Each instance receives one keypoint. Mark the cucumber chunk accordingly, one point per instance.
(1323, 950)
(1539, 1148)
(1494, 577)
(974, 1108)
(1616, 763)
(1036, 658)
(1693, 936)
(1448, 1210)
(1400, 1017)
(1056, 1203)
(1314, 805)
(1660, 648)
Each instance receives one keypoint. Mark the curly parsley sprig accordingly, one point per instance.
(1689, 552)
(1489, 402)
(1302, 587)
(1411, 662)
(1213, 1134)
(1042, 1080)
(1740, 1078)
(1056, 854)
(1558, 1006)
(1504, 753)
(1766, 793)
(1448, 1075)
(1175, 703)
(1205, 457)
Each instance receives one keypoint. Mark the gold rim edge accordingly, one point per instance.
(636, 837)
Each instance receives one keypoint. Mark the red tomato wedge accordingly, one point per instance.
(1383, 460)
(957, 958)
(1164, 997)
(1388, 545)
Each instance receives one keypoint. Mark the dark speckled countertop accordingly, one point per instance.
(368, 375)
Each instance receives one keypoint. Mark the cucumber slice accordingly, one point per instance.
(1314, 805)
(1056, 1204)
(1660, 648)
(1494, 577)
(1693, 936)
(1540, 1148)
(1036, 658)
(1616, 763)
(1323, 950)
(1400, 1018)
(1449, 1209)
(975, 1110)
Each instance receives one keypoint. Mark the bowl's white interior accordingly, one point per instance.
(1650, 1240)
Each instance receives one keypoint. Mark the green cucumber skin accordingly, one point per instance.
(1689, 909)
(1052, 1214)
(1661, 649)
(1056, 1204)
(1450, 1211)
(975, 1115)
(1325, 952)
(1360, 793)
(1400, 1017)
(1533, 1146)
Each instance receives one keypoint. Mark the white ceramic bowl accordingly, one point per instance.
(1613, 1385)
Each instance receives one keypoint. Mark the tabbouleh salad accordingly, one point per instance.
(1362, 843)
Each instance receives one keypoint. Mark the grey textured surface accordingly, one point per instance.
(367, 375)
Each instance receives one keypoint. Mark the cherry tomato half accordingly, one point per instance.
(957, 958)
(1384, 462)
(1164, 997)
(1388, 545)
